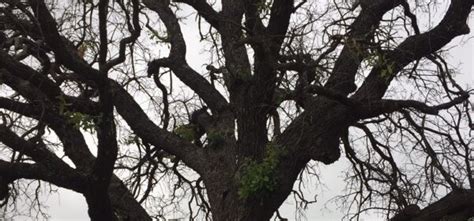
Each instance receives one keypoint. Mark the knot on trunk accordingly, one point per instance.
(327, 150)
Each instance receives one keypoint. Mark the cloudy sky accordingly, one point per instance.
(67, 205)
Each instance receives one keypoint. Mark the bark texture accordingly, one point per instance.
(247, 165)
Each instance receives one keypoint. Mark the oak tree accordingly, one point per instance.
(100, 97)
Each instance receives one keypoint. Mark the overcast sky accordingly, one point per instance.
(68, 205)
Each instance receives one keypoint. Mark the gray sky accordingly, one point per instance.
(68, 205)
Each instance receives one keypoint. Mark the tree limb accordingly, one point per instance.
(385, 106)
(206, 11)
(361, 31)
(139, 122)
(72, 181)
(177, 59)
(415, 47)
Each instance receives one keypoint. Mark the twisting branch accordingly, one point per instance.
(147, 130)
(176, 60)
(416, 47)
(58, 170)
(361, 31)
(385, 106)
(61, 48)
(134, 34)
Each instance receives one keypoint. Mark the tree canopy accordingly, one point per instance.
(100, 97)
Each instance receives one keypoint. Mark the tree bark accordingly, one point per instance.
(456, 206)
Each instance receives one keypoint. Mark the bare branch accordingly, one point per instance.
(385, 106)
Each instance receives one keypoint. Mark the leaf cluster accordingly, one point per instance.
(258, 178)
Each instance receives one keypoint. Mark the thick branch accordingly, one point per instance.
(376, 108)
(76, 149)
(279, 21)
(63, 52)
(351, 56)
(72, 181)
(416, 47)
(100, 206)
(206, 11)
(177, 59)
(237, 62)
(75, 146)
(57, 170)
(456, 206)
(103, 39)
(136, 118)
(43, 83)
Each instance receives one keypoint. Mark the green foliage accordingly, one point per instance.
(186, 132)
(258, 178)
(215, 139)
(81, 121)
(376, 59)
(131, 139)
(78, 120)
(387, 67)
(62, 104)
(387, 70)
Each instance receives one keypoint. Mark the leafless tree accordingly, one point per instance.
(89, 103)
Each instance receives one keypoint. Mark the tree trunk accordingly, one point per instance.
(227, 204)
(230, 206)
(125, 206)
